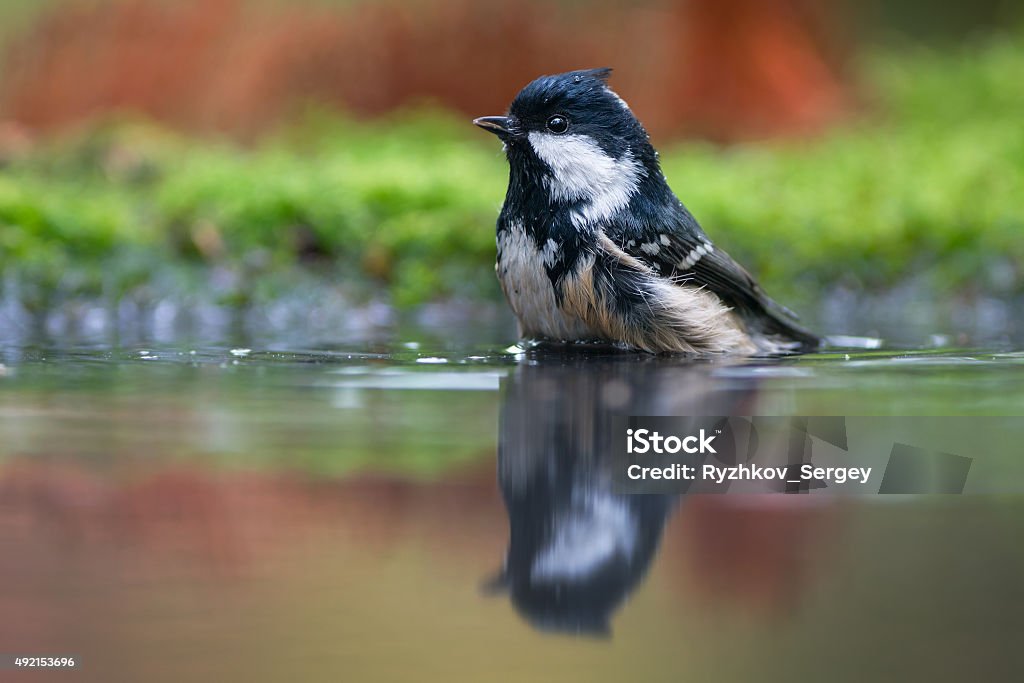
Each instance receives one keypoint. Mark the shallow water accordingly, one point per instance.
(218, 512)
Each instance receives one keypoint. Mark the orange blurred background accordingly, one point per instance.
(717, 68)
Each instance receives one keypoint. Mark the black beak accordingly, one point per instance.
(495, 124)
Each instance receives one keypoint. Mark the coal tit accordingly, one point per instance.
(594, 246)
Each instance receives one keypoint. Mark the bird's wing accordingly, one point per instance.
(671, 242)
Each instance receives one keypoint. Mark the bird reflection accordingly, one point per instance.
(577, 548)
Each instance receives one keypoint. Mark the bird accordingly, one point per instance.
(594, 246)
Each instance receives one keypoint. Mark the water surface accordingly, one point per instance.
(391, 510)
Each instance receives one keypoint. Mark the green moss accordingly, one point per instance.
(926, 182)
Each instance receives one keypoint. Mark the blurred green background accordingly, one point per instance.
(147, 148)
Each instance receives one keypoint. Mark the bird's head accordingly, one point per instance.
(575, 137)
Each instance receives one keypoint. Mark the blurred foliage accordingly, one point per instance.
(927, 183)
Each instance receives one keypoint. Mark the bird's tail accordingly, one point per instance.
(780, 331)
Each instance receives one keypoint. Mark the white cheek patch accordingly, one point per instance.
(582, 171)
(585, 540)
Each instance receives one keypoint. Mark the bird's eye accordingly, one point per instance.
(558, 124)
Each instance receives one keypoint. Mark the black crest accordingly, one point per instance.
(602, 74)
